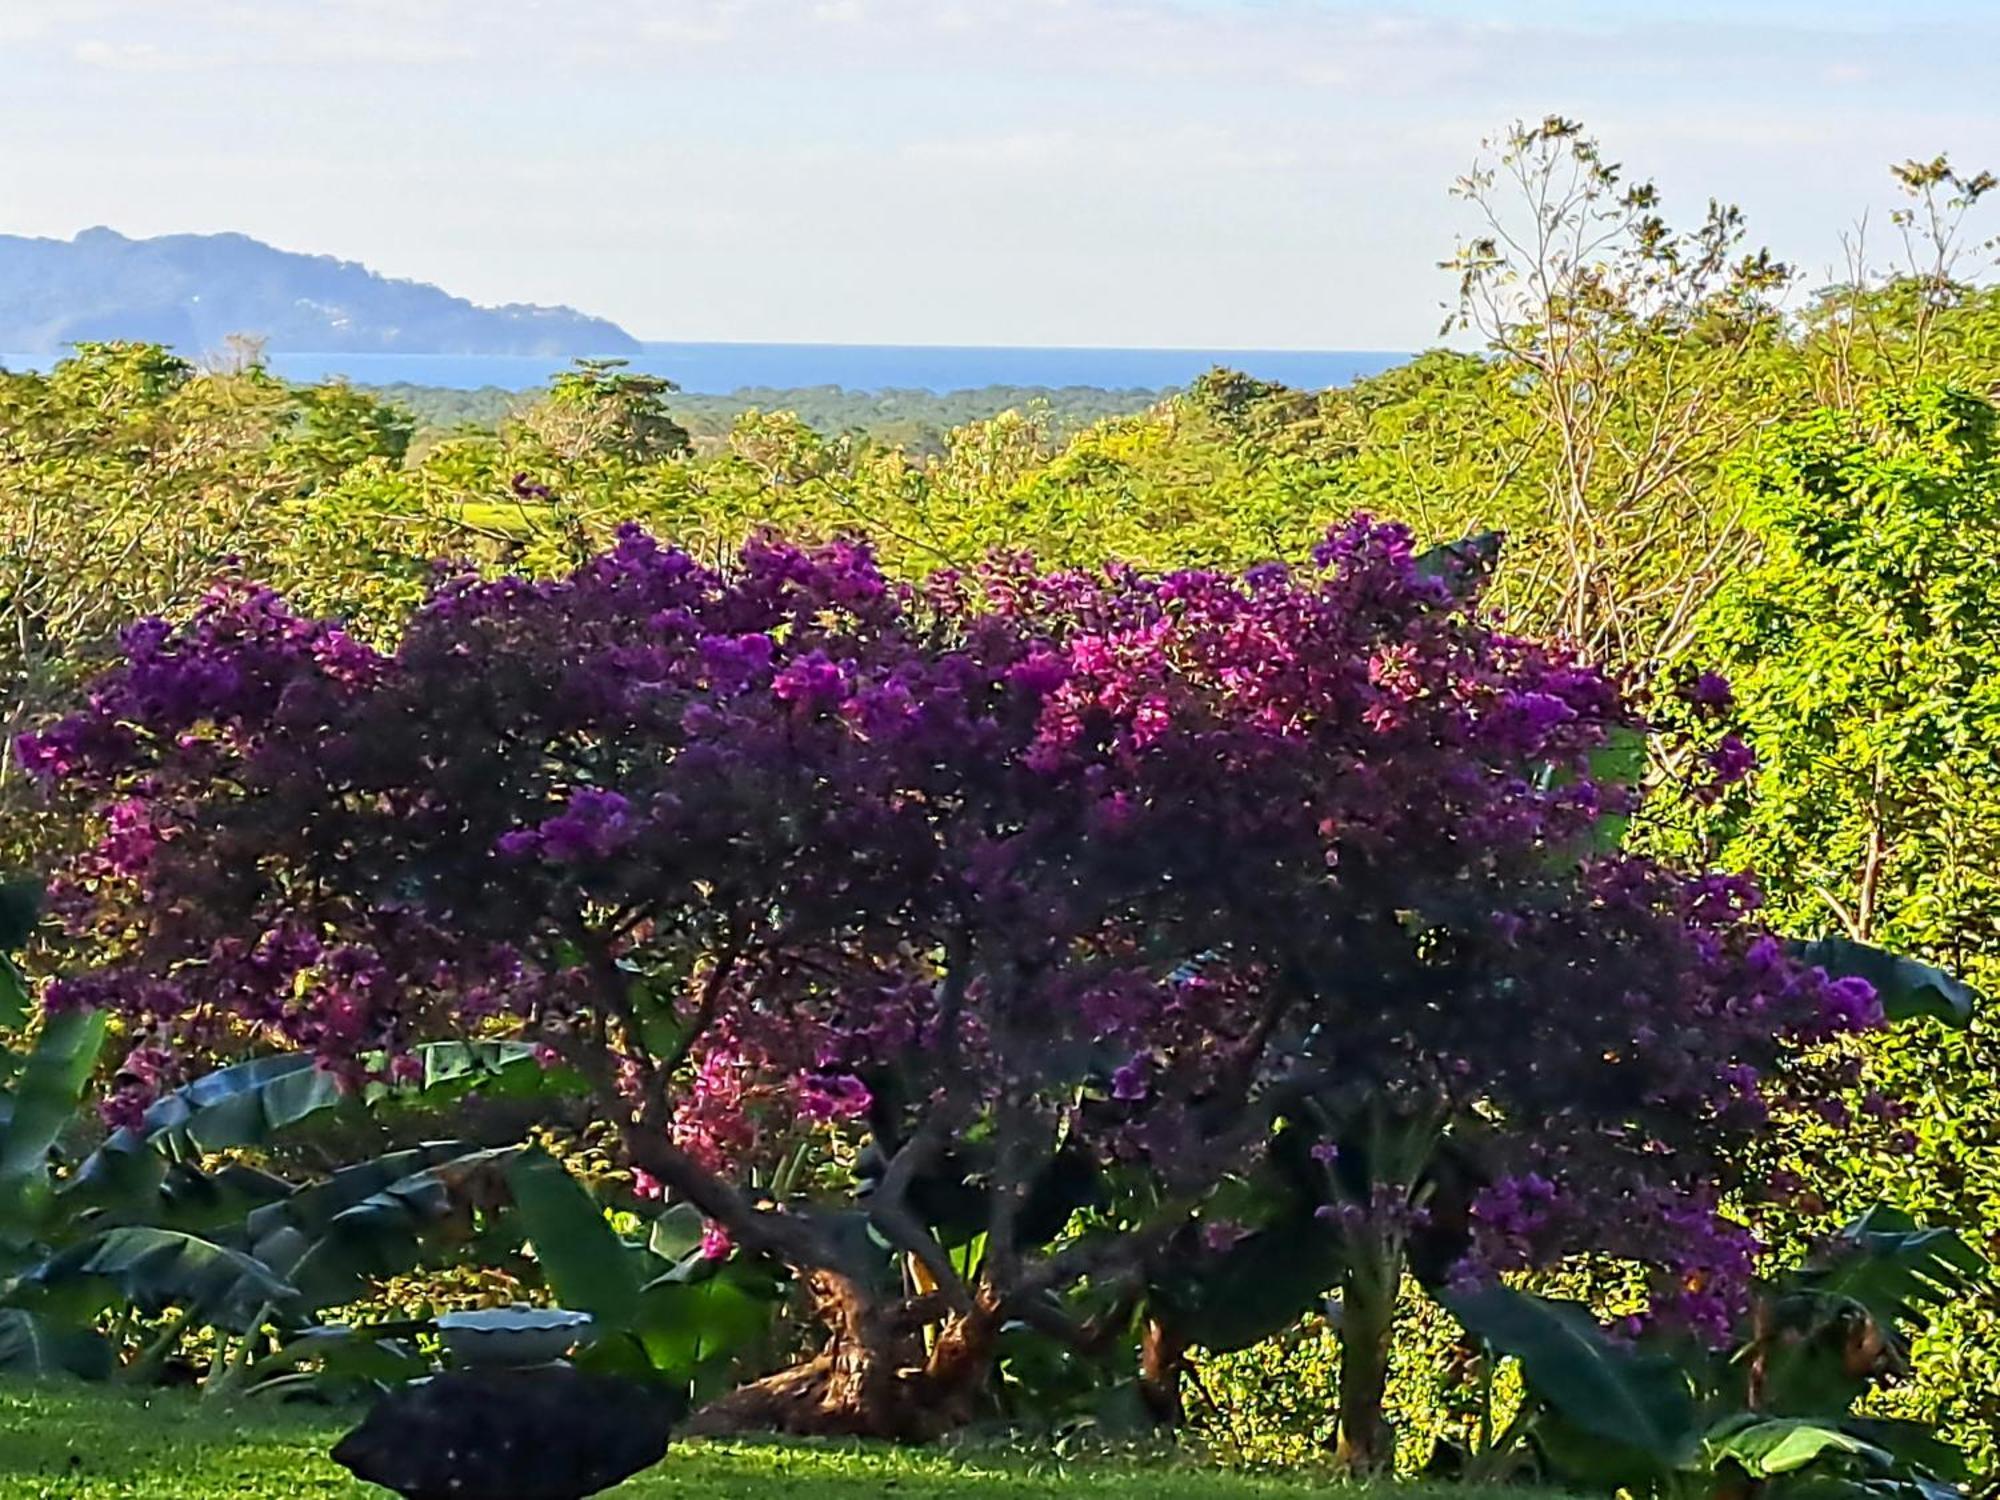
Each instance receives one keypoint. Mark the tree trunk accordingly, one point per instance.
(873, 1378)
(1368, 1313)
(954, 1377)
(1162, 1359)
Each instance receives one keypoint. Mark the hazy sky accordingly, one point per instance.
(1209, 173)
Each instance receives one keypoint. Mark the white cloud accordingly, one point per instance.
(701, 23)
(131, 57)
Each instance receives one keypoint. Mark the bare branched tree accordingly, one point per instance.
(1885, 321)
(1637, 348)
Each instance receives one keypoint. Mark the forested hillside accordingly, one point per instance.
(194, 292)
(917, 421)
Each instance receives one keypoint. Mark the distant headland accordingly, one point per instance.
(195, 291)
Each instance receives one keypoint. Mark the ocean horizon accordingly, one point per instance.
(725, 368)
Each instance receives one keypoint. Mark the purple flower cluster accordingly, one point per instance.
(593, 825)
(1112, 853)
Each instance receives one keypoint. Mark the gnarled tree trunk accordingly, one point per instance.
(874, 1378)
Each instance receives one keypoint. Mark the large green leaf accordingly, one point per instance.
(1908, 989)
(250, 1103)
(1912, 1443)
(15, 1001)
(1897, 1271)
(684, 1326)
(245, 1104)
(495, 1068)
(334, 1239)
(1615, 1394)
(144, 1187)
(293, 1222)
(1769, 1446)
(156, 1268)
(677, 1233)
(206, 1202)
(32, 1344)
(44, 1101)
(583, 1259)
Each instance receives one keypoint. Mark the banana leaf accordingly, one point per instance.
(1908, 989)
(585, 1262)
(334, 1239)
(32, 1343)
(154, 1269)
(1635, 1405)
(44, 1101)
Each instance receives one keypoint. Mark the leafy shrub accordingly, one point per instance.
(1860, 656)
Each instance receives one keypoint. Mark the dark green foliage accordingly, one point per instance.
(1640, 1404)
(1253, 1290)
(1650, 1417)
(154, 1269)
(36, 1346)
(1871, 1289)
(916, 421)
(374, 1219)
(20, 910)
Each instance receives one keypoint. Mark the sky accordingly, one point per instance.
(1216, 174)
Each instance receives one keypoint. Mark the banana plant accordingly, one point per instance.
(41, 1103)
(143, 1229)
(253, 1103)
(1908, 988)
(661, 1308)
(41, 1081)
(1777, 1411)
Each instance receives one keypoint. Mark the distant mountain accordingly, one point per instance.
(194, 290)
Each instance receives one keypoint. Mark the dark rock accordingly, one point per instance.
(551, 1432)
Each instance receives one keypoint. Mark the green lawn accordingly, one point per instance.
(84, 1443)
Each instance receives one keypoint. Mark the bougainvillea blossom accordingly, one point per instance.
(1123, 865)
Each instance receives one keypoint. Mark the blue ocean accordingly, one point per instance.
(720, 369)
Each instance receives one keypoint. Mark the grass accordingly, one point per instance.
(66, 1442)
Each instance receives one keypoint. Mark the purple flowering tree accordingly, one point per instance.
(1016, 879)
